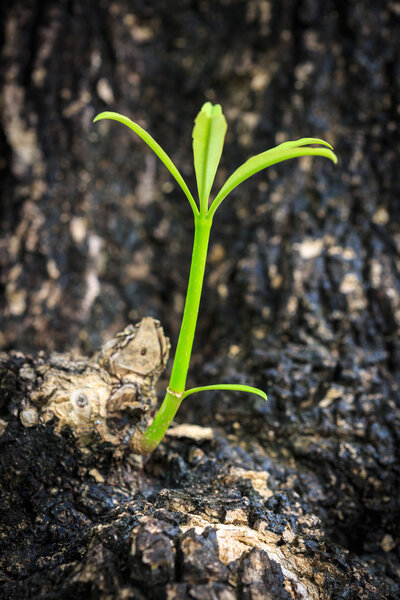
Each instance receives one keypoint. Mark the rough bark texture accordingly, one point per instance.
(208, 518)
(302, 285)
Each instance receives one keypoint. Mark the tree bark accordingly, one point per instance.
(302, 284)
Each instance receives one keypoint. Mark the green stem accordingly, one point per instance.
(173, 397)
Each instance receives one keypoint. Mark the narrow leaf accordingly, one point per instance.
(162, 155)
(261, 161)
(229, 386)
(303, 142)
(208, 141)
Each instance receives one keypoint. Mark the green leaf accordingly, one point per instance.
(276, 155)
(162, 155)
(303, 142)
(208, 141)
(229, 386)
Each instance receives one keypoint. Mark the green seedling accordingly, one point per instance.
(208, 140)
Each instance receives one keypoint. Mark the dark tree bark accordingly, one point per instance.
(205, 519)
(302, 285)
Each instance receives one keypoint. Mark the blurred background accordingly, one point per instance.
(96, 234)
(301, 295)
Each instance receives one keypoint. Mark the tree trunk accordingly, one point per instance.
(301, 298)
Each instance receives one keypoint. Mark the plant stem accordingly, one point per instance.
(156, 431)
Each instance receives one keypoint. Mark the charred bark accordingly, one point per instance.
(301, 295)
(79, 517)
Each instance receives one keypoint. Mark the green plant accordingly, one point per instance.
(208, 140)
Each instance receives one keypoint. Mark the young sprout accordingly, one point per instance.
(208, 140)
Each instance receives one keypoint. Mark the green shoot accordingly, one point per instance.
(208, 140)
